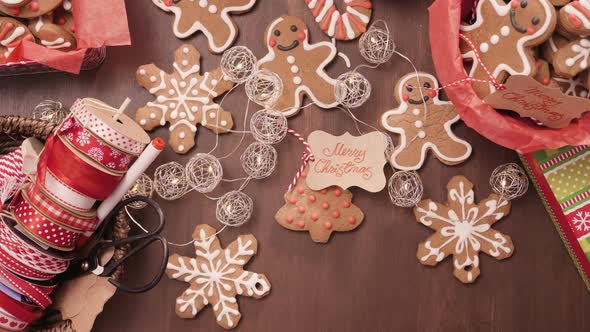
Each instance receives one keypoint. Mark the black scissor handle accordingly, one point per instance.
(113, 264)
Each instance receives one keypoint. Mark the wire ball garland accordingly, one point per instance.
(203, 172)
(170, 181)
(264, 88)
(234, 208)
(405, 188)
(238, 64)
(259, 160)
(376, 45)
(143, 186)
(509, 181)
(50, 111)
(269, 126)
(352, 89)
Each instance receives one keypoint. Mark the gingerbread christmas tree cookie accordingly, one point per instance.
(211, 17)
(319, 212)
(299, 64)
(184, 98)
(463, 229)
(423, 123)
(216, 276)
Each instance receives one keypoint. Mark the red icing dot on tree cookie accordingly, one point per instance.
(292, 200)
(300, 190)
(34, 6)
(290, 219)
(352, 220)
(314, 216)
(328, 225)
(324, 191)
(325, 205)
(346, 204)
(336, 214)
(337, 192)
(301, 224)
(312, 198)
(301, 209)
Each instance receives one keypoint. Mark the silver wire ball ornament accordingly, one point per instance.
(268, 126)
(234, 208)
(264, 88)
(259, 160)
(509, 181)
(376, 45)
(50, 111)
(203, 172)
(143, 186)
(238, 64)
(170, 181)
(405, 188)
(352, 89)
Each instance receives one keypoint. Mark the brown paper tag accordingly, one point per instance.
(531, 99)
(347, 161)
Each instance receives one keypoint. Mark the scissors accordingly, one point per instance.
(138, 242)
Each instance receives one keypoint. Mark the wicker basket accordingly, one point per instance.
(13, 130)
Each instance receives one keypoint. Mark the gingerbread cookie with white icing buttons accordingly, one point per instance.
(30, 9)
(12, 32)
(51, 35)
(501, 36)
(299, 64)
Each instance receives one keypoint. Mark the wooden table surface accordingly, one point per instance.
(365, 280)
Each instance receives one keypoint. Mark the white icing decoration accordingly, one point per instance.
(152, 116)
(17, 32)
(336, 15)
(185, 50)
(319, 71)
(297, 80)
(582, 50)
(185, 62)
(142, 71)
(181, 147)
(55, 44)
(324, 10)
(198, 25)
(494, 39)
(573, 85)
(212, 9)
(403, 141)
(333, 21)
(419, 124)
(291, 59)
(484, 47)
(142, 122)
(294, 69)
(223, 123)
(505, 31)
(67, 5)
(39, 24)
(503, 10)
(162, 85)
(153, 79)
(203, 3)
(421, 134)
(182, 135)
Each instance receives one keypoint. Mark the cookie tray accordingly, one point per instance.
(93, 59)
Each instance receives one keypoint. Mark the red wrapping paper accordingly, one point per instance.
(98, 23)
(513, 133)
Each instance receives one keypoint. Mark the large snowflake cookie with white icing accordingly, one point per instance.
(500, 41)
(184, 98)
(463, 229)
(216, 276)
(299, 64)
(212, 17)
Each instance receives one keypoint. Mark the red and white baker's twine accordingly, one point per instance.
(306, 158)
(498, 86)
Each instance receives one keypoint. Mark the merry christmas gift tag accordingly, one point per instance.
(531, 99)
(347, 161)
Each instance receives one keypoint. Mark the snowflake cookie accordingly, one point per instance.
(216, 276)
(212, 17)
(463, 229)
(184, 98)
(319, 212)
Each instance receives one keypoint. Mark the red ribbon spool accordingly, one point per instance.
(36, 293)
(18, 310)
(17, 267)
(76, 173)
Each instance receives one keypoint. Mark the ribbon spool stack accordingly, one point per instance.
(86, 160)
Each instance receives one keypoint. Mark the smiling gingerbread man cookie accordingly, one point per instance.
(424, 123)
(502, 37)
(299, 64)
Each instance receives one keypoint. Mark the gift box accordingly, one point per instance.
(98, 24)
(504, 129)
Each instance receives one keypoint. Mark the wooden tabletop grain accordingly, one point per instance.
(366, 280)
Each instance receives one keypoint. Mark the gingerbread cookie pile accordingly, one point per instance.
(46, 22)
(540, 38)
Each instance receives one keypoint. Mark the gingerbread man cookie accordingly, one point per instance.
(217, 276)
(463, 229)
(319, 212)
(574, 18)
(184, 98)
(28, 9)
(424, 123)
(342, 26)
(12, 32)
(208, 16)
(501, 37)
(299, 64)
(52, 35)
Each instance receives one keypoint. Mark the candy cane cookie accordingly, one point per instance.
(342, 26)
(12, 32)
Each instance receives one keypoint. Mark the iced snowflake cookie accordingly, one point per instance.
(216, 276)
(423, 123)
(184, 98)
(299, 64)
(348, 25)
(463, 229)
(572, 59)
(12, 32)
(212, 17)
(502, 36)
(319, 212)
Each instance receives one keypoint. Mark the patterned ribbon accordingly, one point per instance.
(36, 293)
(75, 135)
(18, 311)
(17, 267)
(306, 158)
